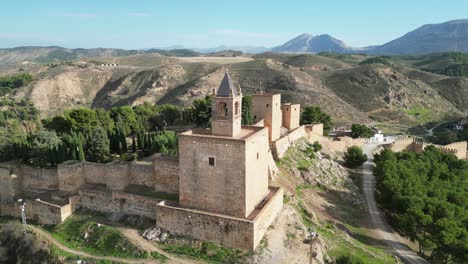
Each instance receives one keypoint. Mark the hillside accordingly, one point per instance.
(351, 88)
(431, 38)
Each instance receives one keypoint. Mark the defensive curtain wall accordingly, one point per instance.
(52, 194)
(459, 149)
(244, 233)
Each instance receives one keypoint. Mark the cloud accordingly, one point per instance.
(138, 14)
(75, 15)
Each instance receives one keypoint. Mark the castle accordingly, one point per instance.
(216, 190)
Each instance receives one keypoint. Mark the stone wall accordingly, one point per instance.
(221, 229)
(402, 143)
(268, 107)
(280, 146)
(216, 228)
(166, 171)
(70, 175)
(267, 215)
(215, 187)
(460, 149)
(291, 115)
(10, 183)
(38, 178)
(142, 173)
(118, 202)
(42, 212)
(95, 173)
(257, 149)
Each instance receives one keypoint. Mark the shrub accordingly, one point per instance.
(317, 146)
(354, 156)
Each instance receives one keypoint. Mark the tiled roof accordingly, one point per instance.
(226, 88)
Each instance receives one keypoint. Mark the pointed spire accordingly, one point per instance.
(227, 88)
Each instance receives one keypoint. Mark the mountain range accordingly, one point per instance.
(431, 38)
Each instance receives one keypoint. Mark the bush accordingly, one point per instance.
(349, 259)
(317, 146)
(354, 156)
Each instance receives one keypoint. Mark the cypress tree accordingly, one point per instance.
(134, 149)
(81, 152)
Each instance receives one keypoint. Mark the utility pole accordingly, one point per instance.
(313, 238)
(22, 204)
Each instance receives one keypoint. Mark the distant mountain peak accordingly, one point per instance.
(430, 38)
(313, 44)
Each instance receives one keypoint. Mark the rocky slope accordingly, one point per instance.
(346, 89)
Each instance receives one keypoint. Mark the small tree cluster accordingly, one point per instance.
(361, 131)
(313, 114)
(354, 156)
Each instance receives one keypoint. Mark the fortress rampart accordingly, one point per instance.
(408, 143)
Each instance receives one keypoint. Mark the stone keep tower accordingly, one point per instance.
(226, 109)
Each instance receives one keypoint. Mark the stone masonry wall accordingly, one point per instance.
(38, 178)
(220, 229)
(268, 214)
(70, 175)
(213, 188)
(166, 171)
(107, 201)
(142, 173)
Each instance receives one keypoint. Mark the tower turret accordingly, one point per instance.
(226, 109)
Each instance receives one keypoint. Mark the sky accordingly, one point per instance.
(138, 24)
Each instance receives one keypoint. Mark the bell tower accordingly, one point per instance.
(226, 109)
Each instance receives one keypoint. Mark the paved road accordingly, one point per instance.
(382, 228)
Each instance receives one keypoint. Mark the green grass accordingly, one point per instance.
(71, 258)
(422, 114)
(205, 251)
(101, 240)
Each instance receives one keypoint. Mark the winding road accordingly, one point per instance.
(382, 229)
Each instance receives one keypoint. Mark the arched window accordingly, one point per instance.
(222, 109)
(236, 107)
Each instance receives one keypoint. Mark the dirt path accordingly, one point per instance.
(381, 227)
(430, 132)
(135, 238)
(61, 246)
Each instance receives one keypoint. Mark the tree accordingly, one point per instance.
(19, 247)
(59, 124)
(202, 112)
(247, 117)
(361, 131)
(81, 154)
(313, 114)
(98, 145)
(354, 156)
(104, 119)
(424, 194)
(83, 119)
(125, 118)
